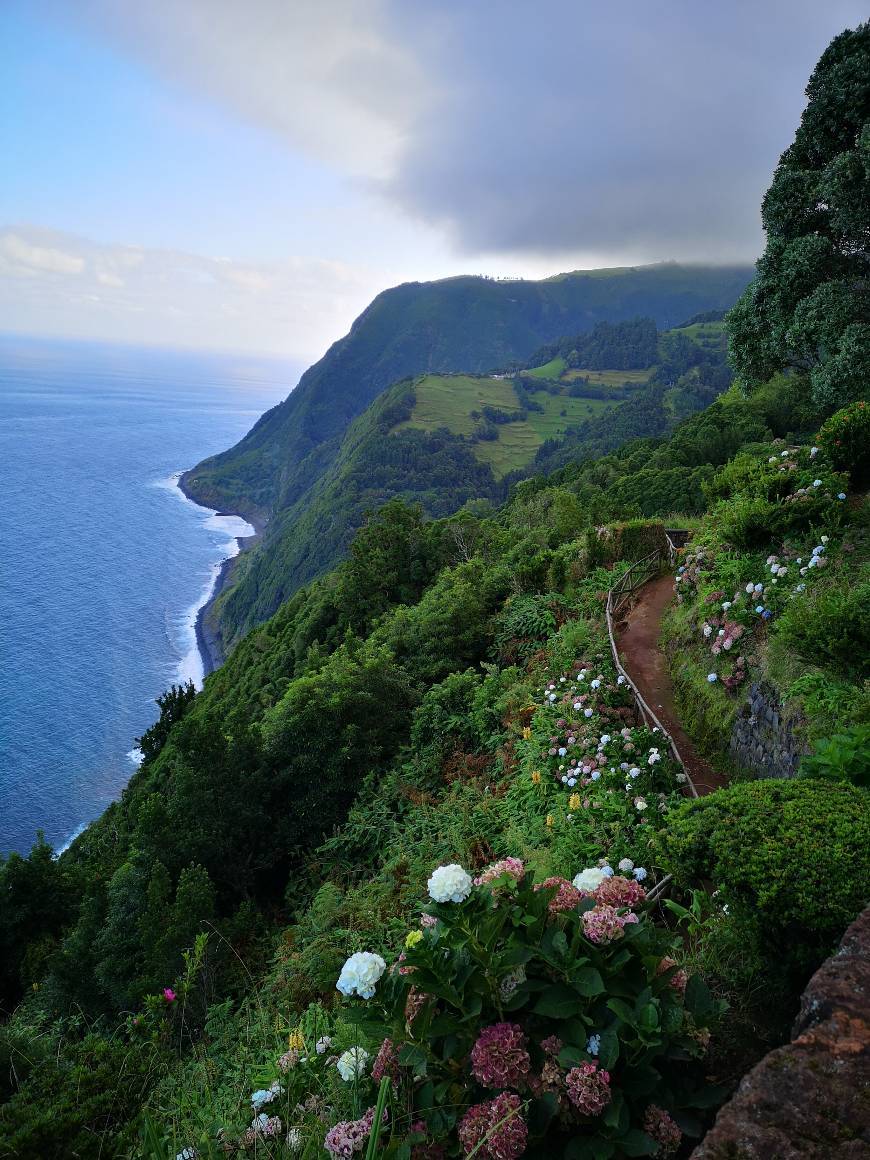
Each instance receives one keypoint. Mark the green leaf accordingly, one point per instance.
(414, 1057)
(588, 981)
(559, 1002)
(622, 1011)
(698, 1000)
(608, 1051)
(638, 1143)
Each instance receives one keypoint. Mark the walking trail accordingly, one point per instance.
(637, 639)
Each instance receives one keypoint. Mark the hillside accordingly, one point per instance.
(462, 324)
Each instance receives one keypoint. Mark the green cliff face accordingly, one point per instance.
(285, 471)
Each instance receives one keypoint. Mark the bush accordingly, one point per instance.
(845, 439)
(831, 626)
(792, 859)
(844, 757)
(631, 540)
(515, 994)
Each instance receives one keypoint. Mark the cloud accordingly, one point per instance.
(638, 130)
(55, 283)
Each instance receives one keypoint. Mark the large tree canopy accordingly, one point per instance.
(809, 305)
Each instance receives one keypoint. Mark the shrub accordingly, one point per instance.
(792, 859)
(845, 439)
(564, 1007)
(843, 757)
(831, 626)
(630, 540)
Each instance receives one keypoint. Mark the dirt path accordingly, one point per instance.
(637, 639)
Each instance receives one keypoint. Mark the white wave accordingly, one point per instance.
(69, 841)
(191, 667)
(136, 756)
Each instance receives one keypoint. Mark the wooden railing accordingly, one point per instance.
(640, 572)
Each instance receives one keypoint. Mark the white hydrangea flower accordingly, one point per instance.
(625, 864)
(261, 1097)
(323, 1045)
(295, 1140)
(587, 712)
(590, 879)
(596, 684)
(817, 483)
(352, 1064)
(188, 1153)
(360, 974)
(640, 804)
(639, 873)
(712, 678)
(449, 884)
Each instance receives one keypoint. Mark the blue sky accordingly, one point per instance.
(225, 174)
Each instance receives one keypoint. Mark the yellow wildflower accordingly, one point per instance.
(549, 821)
(574, 801)
(527, 733)
(536, 777)
(413, 937)
(296, 1040)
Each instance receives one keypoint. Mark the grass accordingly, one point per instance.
(551, 370)
(448, 400)
(608, 378)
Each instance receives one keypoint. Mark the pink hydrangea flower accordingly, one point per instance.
(567, 896)
(605, 924)
(678, 979)
(620, 892)
(386, 1063)
(589, 1088)
(658, 1124)
(499, 1058)
(494, 1130)
(512, 866)
(350, 1136)
(552, 1045)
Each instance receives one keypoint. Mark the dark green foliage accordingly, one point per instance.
(37, 894)
(832, 628)
(630, 540)
(620, 346)
(809, 305)
(844, 757)
(81, 1105)
(792, 860)
(845, 439)
(173, 704)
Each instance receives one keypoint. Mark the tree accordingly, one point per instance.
(173, 704)
(809, 304)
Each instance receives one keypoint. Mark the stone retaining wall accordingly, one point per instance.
(761, 740)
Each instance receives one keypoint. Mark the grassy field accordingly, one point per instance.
(448, 400)
(706, 334)
(551, 370)
(608, 378)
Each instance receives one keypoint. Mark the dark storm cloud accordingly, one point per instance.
(648, 130)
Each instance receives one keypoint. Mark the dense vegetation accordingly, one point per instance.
(280, 471)
(427, 758)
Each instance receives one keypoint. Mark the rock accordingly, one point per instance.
(810, 1099)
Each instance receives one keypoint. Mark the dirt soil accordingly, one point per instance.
(637, 639)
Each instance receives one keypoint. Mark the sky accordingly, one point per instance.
(246, 175)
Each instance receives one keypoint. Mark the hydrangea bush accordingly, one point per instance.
(546, 1016)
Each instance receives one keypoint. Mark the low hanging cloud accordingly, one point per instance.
(55, 283)
(643, 131)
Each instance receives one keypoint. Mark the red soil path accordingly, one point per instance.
(637, 639)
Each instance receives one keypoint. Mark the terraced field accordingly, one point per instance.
(449, 400)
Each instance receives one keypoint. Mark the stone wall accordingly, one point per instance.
(761, 740)
(809, 1100)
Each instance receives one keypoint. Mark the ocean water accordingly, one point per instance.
(103, 563)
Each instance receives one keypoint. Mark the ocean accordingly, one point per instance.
(104, 562)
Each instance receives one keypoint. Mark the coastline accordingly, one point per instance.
(208, 642)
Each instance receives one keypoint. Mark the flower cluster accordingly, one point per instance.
(352, 1063)
(360, 974)
(567, 896)
(494, 1130)
(604, 924)
(386, 1063)
(350, 1136)
(499, 1058)
(449, 884)
(588, 1088)
(510, 866)
(666, 1133)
